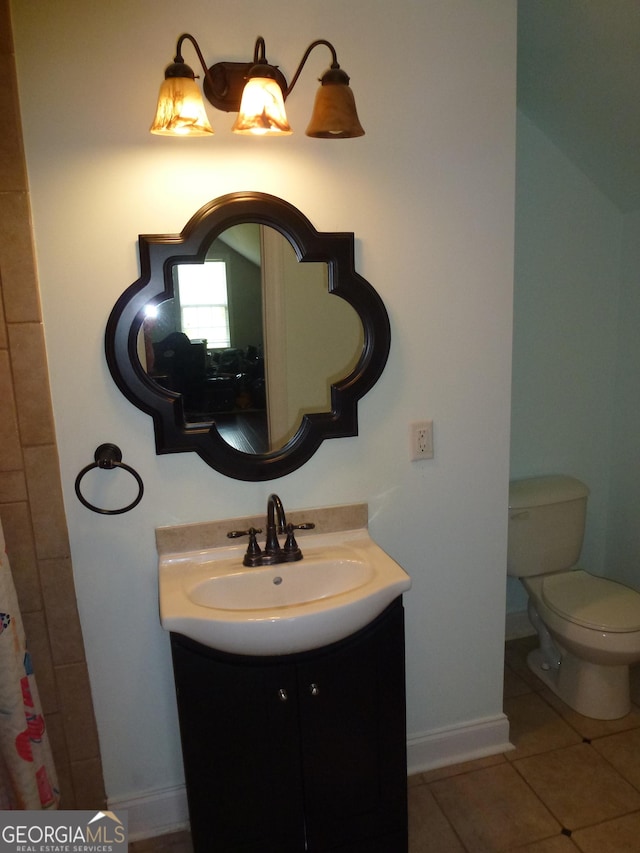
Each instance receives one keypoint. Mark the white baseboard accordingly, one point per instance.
(455, 744)
(165, 810)
(154, 813)
(518, 625)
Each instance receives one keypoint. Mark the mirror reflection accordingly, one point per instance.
(252, 339)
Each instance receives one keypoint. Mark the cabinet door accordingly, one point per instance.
(352, 712)
(238, 726)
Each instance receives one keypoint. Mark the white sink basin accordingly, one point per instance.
(283, 585)
(343, 582)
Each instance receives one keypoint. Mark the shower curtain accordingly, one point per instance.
(27, 774)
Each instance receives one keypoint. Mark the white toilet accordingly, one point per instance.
(588, 627)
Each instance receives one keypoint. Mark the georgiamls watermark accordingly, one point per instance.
(63, 832)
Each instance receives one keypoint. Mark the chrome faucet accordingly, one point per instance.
(276, 524)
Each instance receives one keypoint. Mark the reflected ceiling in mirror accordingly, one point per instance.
(249, 337)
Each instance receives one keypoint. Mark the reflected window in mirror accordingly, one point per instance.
(201, 293)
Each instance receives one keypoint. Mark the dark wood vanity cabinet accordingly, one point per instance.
(304, 752)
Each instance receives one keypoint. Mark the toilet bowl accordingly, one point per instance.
(588, 626)
(589, 630)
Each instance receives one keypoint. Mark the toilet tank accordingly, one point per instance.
(546, 525)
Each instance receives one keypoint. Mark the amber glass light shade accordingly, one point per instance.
(262, 109)
(334, 113)
(180, 110)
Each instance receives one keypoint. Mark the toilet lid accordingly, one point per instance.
(591, 601)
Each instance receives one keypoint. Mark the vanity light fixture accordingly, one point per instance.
(257, 92)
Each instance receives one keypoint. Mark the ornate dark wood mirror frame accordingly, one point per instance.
(160, 252)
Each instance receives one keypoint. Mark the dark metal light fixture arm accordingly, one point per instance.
(334, 63)
(196, 46)
(259, 51)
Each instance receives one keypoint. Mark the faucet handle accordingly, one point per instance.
(291, 551)
(254, 554)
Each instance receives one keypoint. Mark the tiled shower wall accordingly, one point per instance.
(31, 506)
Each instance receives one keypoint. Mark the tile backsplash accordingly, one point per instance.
(213, 534)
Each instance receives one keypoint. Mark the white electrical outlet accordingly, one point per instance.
(421, 434)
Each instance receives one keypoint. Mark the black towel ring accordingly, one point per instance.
(109, 456)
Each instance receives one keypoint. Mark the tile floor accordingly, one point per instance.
(571, 783)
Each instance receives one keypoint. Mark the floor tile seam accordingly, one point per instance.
(466, 772)
(455, 832)
(514, 671)
(516, 675)
(544, 689)
(630, 728)
(544, 805)
(445, 816)
(535, 795)
(608, 820)
(550, 808)
(522, 668)
(566, 748)
(527, 690)
(512, 757)
(564, 719)
(526, 845)
(635, 710)
(535, 689)
(616, 769)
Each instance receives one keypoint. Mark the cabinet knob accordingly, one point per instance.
(314, 689)
(283, 695)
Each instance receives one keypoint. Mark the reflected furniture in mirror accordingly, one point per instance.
(234, 342)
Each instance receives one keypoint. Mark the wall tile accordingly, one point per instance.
(19, 282)
(31, 383)
(45, 498)
(65, 784)
(13, 485)
(6, 40)
(4, 340)
(16, 523)
(35, 628)
(59, 595)
(89, 790)
(58, 741)
(10, 453)
(12, 170)
(74, 692)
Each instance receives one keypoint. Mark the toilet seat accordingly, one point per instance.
(593, 602)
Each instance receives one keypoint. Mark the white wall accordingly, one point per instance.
(565, 333)
(429, 193)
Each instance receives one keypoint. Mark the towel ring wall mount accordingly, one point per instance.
(107, 457)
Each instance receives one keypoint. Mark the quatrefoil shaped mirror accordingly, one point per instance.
(249, 337)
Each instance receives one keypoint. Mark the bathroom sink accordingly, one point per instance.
(283, 585)
(343, 582)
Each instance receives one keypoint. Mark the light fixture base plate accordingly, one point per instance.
(225, 82)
